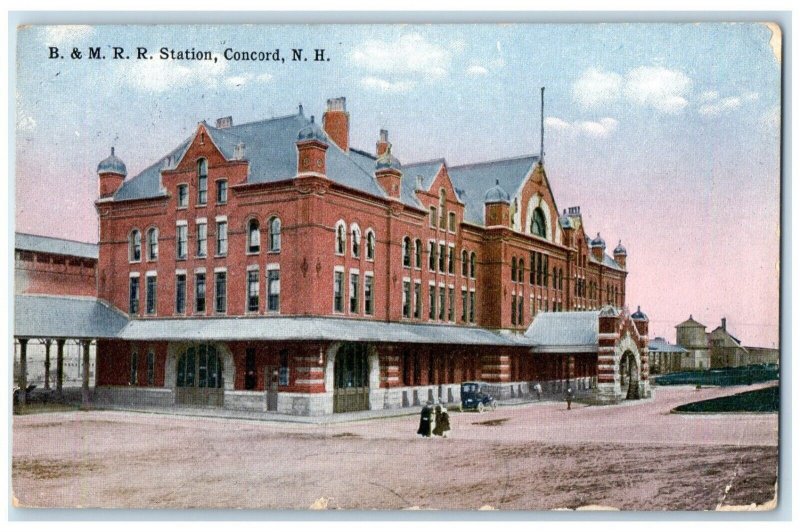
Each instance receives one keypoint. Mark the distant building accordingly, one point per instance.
(666, 357)
(691, 335)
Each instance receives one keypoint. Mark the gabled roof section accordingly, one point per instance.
(690, 323)
(471, 181)
(608, 262)
(55, 246)
(271, 152)
(428, 170)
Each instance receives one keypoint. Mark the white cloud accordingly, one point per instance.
(716, 106)
(385, 85)
(477, 70)
(26, 123)
(158, 75)
(659, 88)
(596, 88)
(600, 129)
(66, 34)
(708, 96)
(408, 54)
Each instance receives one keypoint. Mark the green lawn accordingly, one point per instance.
(763, 400)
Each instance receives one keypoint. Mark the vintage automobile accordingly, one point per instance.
(474, 396)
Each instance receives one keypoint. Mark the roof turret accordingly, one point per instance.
(112, 165)
(496, 194)
(620, 249)
(639, 315)
(387, 160)
(597, 242)
(312, 132)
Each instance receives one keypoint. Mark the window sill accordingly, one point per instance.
(252, 252)
(220, 256)
(181, 207)
(274, 252)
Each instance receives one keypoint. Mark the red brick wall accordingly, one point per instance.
(42, 273)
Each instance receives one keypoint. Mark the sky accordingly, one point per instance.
(666, 135)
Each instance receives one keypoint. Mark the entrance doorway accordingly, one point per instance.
(271, 385)
(199, 377)
(629, 376)
(351, 378)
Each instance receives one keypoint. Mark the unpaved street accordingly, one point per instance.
(635, 456)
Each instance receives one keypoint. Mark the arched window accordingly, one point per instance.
(472, 259)
(253, 236)
(521, 271)
(464, 263)
(135, 246)
(199, 367)
(370, 244)
(538, 226)
(152, 243)
(202, 181)
(341, 238)
(442, 209)
(406, 252)
(418, 253)
(514, 269)
(274, 234)
(355, 240)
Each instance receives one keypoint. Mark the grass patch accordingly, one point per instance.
(763, 400)
(721, 377)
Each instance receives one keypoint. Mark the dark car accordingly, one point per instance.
(475, 397)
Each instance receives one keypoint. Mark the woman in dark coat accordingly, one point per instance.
(442, 422)
(425, 421)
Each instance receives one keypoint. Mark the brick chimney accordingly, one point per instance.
(225, 122)
(724, 324)
(383, 143)
(336, 122)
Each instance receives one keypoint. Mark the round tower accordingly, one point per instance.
(112, 172)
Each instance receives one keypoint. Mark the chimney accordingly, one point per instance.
(383, 143)
(112, 172)
(225, 122)
(336, 122)
(724, 324)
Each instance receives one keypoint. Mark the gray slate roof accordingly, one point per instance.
(607, 261)
(473, 180)
(55, 246)
(426, 169)
(660, 345)
(560, 331)
(271, 152)
(65, 317)
(308, 328)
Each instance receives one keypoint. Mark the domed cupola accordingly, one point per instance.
(496, 194)
(639, 315)
(312, 143)
(497, 206)
(388, 173)
(598, 248)
(564, 221)
(620, 254)
(112, 165)
(387, 160)
(597, 242)
(641, 322)
(112, 173)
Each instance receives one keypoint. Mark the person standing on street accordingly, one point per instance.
(538, 389)
(569, 396)
(425, 420)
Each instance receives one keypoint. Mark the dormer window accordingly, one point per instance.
(202, 182)
(135, 246)
(253, 236)
(274, 234)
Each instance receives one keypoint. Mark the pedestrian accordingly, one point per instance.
(570, 395)
(442, 422)
(425, 420)
(538, 389)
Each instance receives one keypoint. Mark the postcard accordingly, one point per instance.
(397, 266)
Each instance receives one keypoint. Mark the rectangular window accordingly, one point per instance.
(442, 257)
(433, 217)
(432, 302)
(200, 292)
(432, 256)
(134, 369)
(202, 189)
(464, 305)
(451, 260)
(338, 291)
(182, 241)
(521, 310)
(451, 222)
(252, 291)
(202, 239)
(472, 307)
(355, 289)
(368, 305)
(442, 304)
(406, 299)
(546, 270)
(283, 373)
(180, 293)
(133, 298)
(151, 294)
(222, 191)
(451, 298)
(513, 310)
(417, 300)
(222, 238)
(532, 273)
(183, 196)
(151, 368)
(220, 291)
(274, 290)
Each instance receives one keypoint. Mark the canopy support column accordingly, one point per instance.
(59, 365)
(22, 381)
(85, 385)
(47, 343)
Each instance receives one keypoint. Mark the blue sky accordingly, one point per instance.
(666, 135)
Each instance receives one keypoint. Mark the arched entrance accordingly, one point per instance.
(199, 377)
(629, 376)
(351, 378)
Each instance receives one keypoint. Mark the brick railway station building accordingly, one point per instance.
(271, 266)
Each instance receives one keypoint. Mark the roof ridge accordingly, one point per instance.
(501, 160)
(363, 152)
(55, 238)
(274, 118)
(429, 161)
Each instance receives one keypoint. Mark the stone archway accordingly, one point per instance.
(176, 349)
(629, 376)
(352, 376)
